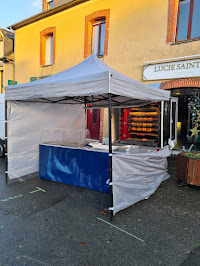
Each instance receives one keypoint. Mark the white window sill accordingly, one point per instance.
(47, 65)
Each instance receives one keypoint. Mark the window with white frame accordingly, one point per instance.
(98, 38)
(49, 50)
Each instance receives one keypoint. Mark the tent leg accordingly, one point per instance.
(110, 154)
(6, 145)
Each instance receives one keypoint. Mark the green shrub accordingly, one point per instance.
(192, 155)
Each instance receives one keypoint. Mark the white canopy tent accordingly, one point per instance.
(89, 78)
(90, 81)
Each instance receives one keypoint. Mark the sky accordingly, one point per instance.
(12, 11)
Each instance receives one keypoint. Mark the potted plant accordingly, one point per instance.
(188, 168)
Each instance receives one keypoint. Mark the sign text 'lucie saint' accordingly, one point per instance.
(180, 69)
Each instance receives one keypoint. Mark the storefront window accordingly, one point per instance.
(188, 126)
(194, 121)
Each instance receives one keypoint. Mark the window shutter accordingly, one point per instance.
(102, 41)
(95, 39)
(49, 50)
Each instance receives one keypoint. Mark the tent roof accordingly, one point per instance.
(91, 78)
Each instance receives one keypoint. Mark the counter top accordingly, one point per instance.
(122, 149)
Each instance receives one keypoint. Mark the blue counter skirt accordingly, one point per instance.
(74, 166)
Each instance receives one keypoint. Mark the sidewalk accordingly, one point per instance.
(46, 223)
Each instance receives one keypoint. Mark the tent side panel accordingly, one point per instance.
(136, 176)
(30, 124)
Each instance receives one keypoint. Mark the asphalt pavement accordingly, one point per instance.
(46, 223)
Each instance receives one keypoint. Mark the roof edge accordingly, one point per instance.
(45, 14)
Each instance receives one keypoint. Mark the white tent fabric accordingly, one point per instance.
(136, 176)
(30, 124)
(90, 77)
(87, 79)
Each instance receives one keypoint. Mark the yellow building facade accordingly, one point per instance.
(142, 40)
(137, 33)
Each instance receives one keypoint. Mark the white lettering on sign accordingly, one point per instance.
(180, 69)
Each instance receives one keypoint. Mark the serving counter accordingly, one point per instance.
(137, 171)
(82, 167)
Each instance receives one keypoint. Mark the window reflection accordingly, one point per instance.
(188, 20)
(183, 20)
(195, 31)
(98, 38)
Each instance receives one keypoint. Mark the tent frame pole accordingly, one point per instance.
(85, 102)
(110, 154)
(6, 143)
